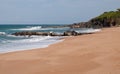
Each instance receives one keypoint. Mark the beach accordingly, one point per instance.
(97, 53)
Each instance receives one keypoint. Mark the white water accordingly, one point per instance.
(2, 33)
(28, 43)
(54, 28)
(39, 28)
(18, 43)
(30, 28)
(88, 31)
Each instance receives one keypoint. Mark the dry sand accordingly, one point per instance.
(97, 53)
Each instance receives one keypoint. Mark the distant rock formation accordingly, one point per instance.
(107, 19)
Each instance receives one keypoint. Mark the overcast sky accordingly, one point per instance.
(53, 11)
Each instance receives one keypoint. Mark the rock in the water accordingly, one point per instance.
(36, 33)
(70, 33)
(30, 33)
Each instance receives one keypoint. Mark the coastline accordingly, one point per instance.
(85, 54)
(60, 39)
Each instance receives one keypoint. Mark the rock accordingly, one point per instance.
(67, 33)
(107, 19)
(30, 33)
(70, 33)
(36, 33)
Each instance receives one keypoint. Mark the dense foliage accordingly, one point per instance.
(109, 15)
(107, 19)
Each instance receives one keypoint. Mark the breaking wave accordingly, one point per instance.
(33, 39)
(39, 28)
(88, 30)
(2, 33)
(30, 28)
(26, 43)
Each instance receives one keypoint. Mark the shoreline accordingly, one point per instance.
(46, 46)
(38, 45)
(85, 54)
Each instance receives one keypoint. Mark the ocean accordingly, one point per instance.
(11, 43)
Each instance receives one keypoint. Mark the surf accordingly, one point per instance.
(2, 33)
(29, 28)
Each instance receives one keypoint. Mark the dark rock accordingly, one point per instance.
(107, 19)
(30, 33)
(70, 33)
(36, 33)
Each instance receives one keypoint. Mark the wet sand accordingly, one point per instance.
(97, 53)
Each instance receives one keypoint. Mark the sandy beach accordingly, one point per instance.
(97, 53)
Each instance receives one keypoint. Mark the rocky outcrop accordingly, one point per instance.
(107, 19)
(28, 33)
(81, 25)
(31, 33)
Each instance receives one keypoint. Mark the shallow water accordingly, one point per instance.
(10, 43)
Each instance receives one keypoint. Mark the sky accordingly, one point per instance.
(53, 11)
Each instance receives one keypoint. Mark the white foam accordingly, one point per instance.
(55, 28)
(9, 35)
(4, 41)
(29, 43)
(39, 28)
(30, 28)
(33, 39)
(88, 30)
(2, 33)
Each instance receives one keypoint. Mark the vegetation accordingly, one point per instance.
(107, 19)
(110, 15)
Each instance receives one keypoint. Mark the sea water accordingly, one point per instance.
(10, 43)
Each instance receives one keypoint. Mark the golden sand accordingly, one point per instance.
(97, 53)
